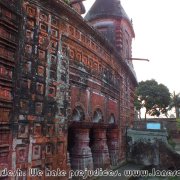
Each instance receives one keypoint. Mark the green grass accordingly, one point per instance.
(173, 178)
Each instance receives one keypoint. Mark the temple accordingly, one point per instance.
(66, 85)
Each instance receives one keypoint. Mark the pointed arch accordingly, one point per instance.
(78, 114)
(112, 119)
(97, 116)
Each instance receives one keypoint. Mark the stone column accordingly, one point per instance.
(113, 145)
(68, 162)
(80, 154)
(99, 148)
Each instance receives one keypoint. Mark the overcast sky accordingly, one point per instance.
(157, 27)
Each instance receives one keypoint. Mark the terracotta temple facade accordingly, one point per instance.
(66, 84)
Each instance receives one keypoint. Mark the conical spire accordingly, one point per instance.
(106, 8)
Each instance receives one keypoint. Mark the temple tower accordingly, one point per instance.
(110, 19)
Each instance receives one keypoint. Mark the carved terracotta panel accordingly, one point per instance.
(37, 129)
(4, 155)
(21, 154)
(23, 131)
(4, 137)
(5, 94)
(78, 56)
(43, 16)
(29, 35)
(28, 49)
(71, 30)
(31, 11)
(54, 21)
(31, 23)
(6, 53)
(54, 32)
(49, 149)
(40, 88)
(38, 108)
(27, 67)
(43, 41)
(5, 72)
(50, 130)
(41, 71)
(36, 151)
(41, 55)
(72, 53)
(43, 27)
(5, 114)
(54, 45)
(24, 106)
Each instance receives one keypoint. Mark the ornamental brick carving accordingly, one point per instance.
(55, 70)
(100, 149)
(80, 153)
(113, 145)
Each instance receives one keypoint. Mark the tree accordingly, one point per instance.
(67, 1)
(154, 97)
(175, 102)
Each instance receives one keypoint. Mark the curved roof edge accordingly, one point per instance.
(106, 8)
(94, 33)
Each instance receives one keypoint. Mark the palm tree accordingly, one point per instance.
(175, 102)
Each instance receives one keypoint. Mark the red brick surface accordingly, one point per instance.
(54, 67)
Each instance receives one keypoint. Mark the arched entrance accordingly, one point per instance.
(111, 119)
(78, 114)
(78, 142)
(98, 116)
(98, 142)
(112, 140)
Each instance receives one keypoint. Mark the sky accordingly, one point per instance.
(157, 37)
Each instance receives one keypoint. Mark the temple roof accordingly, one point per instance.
(106, 8)
(82, 8)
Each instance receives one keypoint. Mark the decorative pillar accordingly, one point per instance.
(80, 154)
(113, 145)
(99, 148)
(68, 162)
(122, 143)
